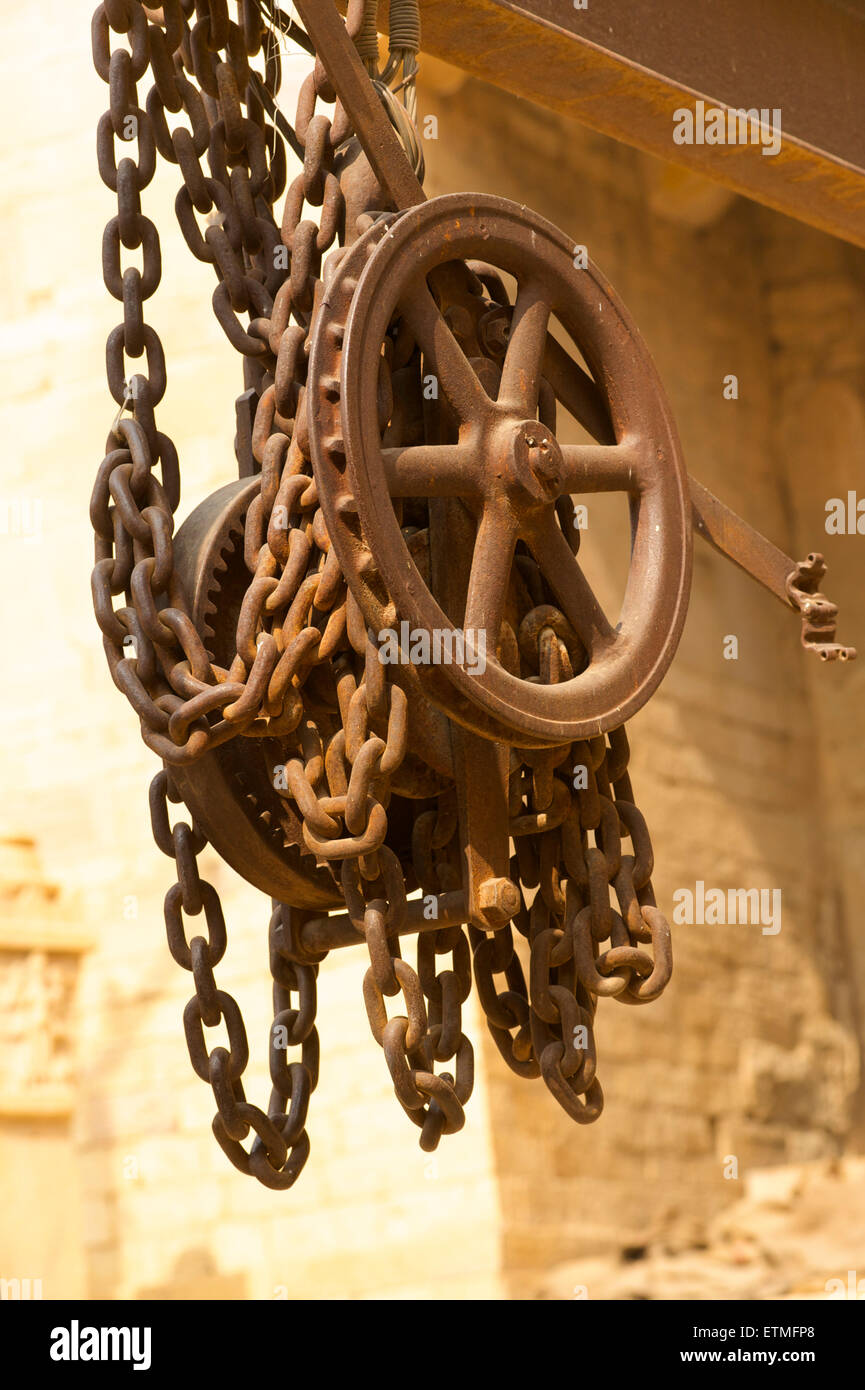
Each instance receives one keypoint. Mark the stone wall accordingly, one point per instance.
(750, 772)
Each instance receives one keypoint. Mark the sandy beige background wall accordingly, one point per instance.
(750, 772)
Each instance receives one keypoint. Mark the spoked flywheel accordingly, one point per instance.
(496, 366)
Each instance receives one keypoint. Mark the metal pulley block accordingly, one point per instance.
(449, 511)
(230, 791)
(373, 667)
(404, 280)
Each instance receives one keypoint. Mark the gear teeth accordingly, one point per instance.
(270, 827)
(208, 614)
(228, 548)
(220, 567)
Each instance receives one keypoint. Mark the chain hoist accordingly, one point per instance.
(371, 664)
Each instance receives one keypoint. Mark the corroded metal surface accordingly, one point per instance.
(505, 464)
(794, 582)
(230, 790)
(618, 68)
(250, 645)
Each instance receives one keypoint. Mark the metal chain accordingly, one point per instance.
(297, 615)
(155, 656)
(154, 653)
(281, 1144)
(374, 886)
(571, 916)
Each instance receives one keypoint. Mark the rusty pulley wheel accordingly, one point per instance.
(230, 789)
(503, 464)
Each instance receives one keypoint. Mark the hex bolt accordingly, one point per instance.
(542, 461)
(498, 900)
(494, 333)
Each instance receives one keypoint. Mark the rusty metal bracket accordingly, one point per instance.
(819, 614)
(617, 69)
(320, 934)
(794, 582)
(351, 82)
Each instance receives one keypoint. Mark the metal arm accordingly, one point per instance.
(794, 582)
(349, 78)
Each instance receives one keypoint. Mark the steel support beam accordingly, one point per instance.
(625, 68)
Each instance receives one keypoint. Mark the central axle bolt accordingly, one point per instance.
(543, 460)
(498, 900)
(494, 333)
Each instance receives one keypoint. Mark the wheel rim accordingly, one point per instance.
(509, 468)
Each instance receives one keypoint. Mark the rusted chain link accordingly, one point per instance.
(202, 70)
(305, 670)
(558, 798)
(375, 893)
(281, 1144)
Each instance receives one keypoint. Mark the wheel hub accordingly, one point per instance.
(534, 465)
(498, 455)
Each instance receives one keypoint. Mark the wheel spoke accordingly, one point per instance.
(443, 353)
(578, 393)
(521, 372)
(562, 571)
(602, 468)
(488, 580)
(430, 470)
